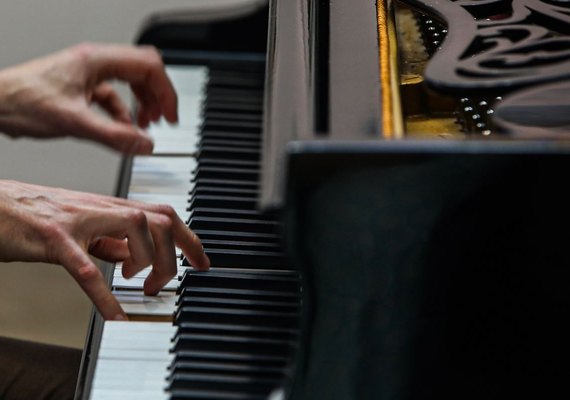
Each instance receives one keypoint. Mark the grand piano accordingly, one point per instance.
(381, 189)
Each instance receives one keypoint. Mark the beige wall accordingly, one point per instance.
(38, 301)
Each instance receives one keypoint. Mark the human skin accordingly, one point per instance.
(52, 97)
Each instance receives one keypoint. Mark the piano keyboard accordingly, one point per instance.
(228, 333)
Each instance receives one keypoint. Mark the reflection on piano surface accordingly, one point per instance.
(380, 194)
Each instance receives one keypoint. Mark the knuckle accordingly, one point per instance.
(138, 218)
(152, 53)
(88, 274)
(166, 210)
(153, 58)
(84, 51)
(52, 231)
(164, 223)
(52, 235)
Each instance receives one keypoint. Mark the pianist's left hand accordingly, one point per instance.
(63, 227)
(52, 96)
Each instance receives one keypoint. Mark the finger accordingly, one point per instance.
(141, 67)
(143, 120)
(122, 137)
(91, 280)
(150, 104)
(192, 248)
(189, 243)
(110, 249)
(123, 223)
(106, 96)
(183, 237)
(164, 265)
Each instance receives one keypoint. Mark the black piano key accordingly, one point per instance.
(226, 173)
(223, 201)
(249, 385)
(236, 330)
(255, 237)
(236, 317)
(230, 344)
(233, 126)
(235, 81)
(232, 116)
(242, 236)
(249, 165)
(230, 141)
(231, 369)
(260, 331)
(224, 182)
(240, 79)
(248, 70)
(251, 96)
(229, 152)
(222, 105)
(200, 189)
(182, 394)
(230, 258)
(236, 259)
(243, 245)
(292, 297)
(257, 359)
(230, 136)
(234, 224)
(278, 281)
(217, 95)
(220, 212)
(193, 300)
(233, 213)
(286, 334)
(246, 105)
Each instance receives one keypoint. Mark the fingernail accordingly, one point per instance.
(120, 317)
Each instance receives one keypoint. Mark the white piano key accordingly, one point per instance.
(181, 138)
(138, 354)
(136, 303)
(175, 201)
(134, 356)
(144, 273)
(172, 199)
(168, 147)
(187, 78)
(163, 166)
(123, 374)
(189, 114)
(132, 361)
(124, 395)
(138, 283)
(168, 141)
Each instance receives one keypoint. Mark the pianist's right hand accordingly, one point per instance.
(63, 227)
(52, 96)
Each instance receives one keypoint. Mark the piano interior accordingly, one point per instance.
(380, 188)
